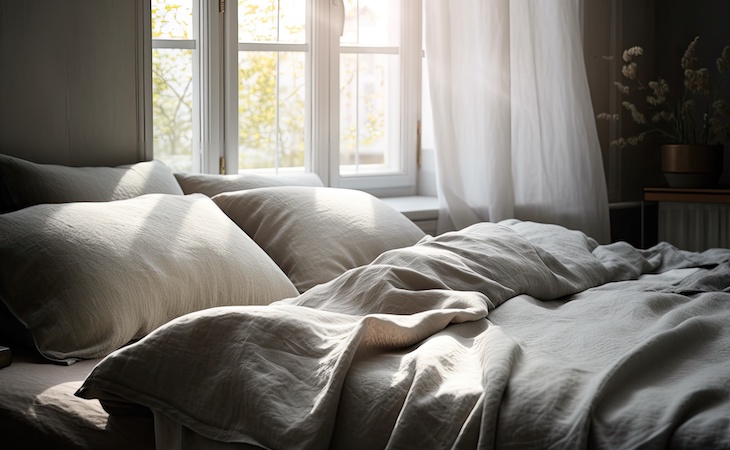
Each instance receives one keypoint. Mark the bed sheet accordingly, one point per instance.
(38, 409)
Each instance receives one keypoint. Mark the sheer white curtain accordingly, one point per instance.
(513, 120)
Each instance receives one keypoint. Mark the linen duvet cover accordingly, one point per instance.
(509, 335)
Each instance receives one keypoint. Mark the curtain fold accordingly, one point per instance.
(513, 120)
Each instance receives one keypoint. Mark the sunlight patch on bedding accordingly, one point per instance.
(361, 210)
(57, 396)
(446, 357)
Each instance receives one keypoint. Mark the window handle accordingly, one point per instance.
(341, 5)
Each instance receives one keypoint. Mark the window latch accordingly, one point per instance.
(221, 6)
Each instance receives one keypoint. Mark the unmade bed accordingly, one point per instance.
(310, 317)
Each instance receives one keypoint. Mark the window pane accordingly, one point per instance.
(271, 109)
(272, 21)
(369, 113)
(172, 107)
(372, 23)
(172, 19)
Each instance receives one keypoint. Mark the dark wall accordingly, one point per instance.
(679, 21)
(70, 83)
(677, 24)
(663, 28)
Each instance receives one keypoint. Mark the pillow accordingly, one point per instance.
(317, 233)
(24, 183)
(86, 278)
(211, 185)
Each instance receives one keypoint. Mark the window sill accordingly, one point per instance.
(420, 209)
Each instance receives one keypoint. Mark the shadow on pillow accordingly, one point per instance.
(24, 183)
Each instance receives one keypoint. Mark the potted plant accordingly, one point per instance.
(692, 123)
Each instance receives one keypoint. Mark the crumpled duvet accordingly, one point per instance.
(510, 335)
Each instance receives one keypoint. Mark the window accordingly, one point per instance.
(174, 56)
(329, 86)
(271, 61)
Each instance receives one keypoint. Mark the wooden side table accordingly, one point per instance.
(666, 194)
(5, 357)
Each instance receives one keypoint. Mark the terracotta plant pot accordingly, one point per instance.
(692, 165)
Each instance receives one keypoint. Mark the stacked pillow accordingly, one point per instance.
(317, 233)
(86, 278)
(94, 257)
(210, 185)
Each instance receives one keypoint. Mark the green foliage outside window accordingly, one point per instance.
(271, 90)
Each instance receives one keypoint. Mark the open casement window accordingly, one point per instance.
(328, 86)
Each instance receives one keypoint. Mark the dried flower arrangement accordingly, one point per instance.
(699, 115)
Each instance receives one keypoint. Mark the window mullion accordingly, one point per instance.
(324, 107)
(277, 114)
(174, 43)
(230, 89)
(335, 29)
(357, 113)
(199, 17)
(210, 86)
(145, 81)
(411, 67)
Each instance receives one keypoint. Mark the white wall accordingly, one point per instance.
(70, 84)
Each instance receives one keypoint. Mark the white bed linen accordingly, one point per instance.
(400, 353)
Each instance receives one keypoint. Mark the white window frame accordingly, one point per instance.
(216, 114)
(411, 51)
(207, 110)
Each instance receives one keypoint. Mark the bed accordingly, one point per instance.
(169, 310)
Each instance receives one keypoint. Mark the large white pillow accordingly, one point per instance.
(86, 278)
(24, 183)
(317, 233)
(211, 184)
